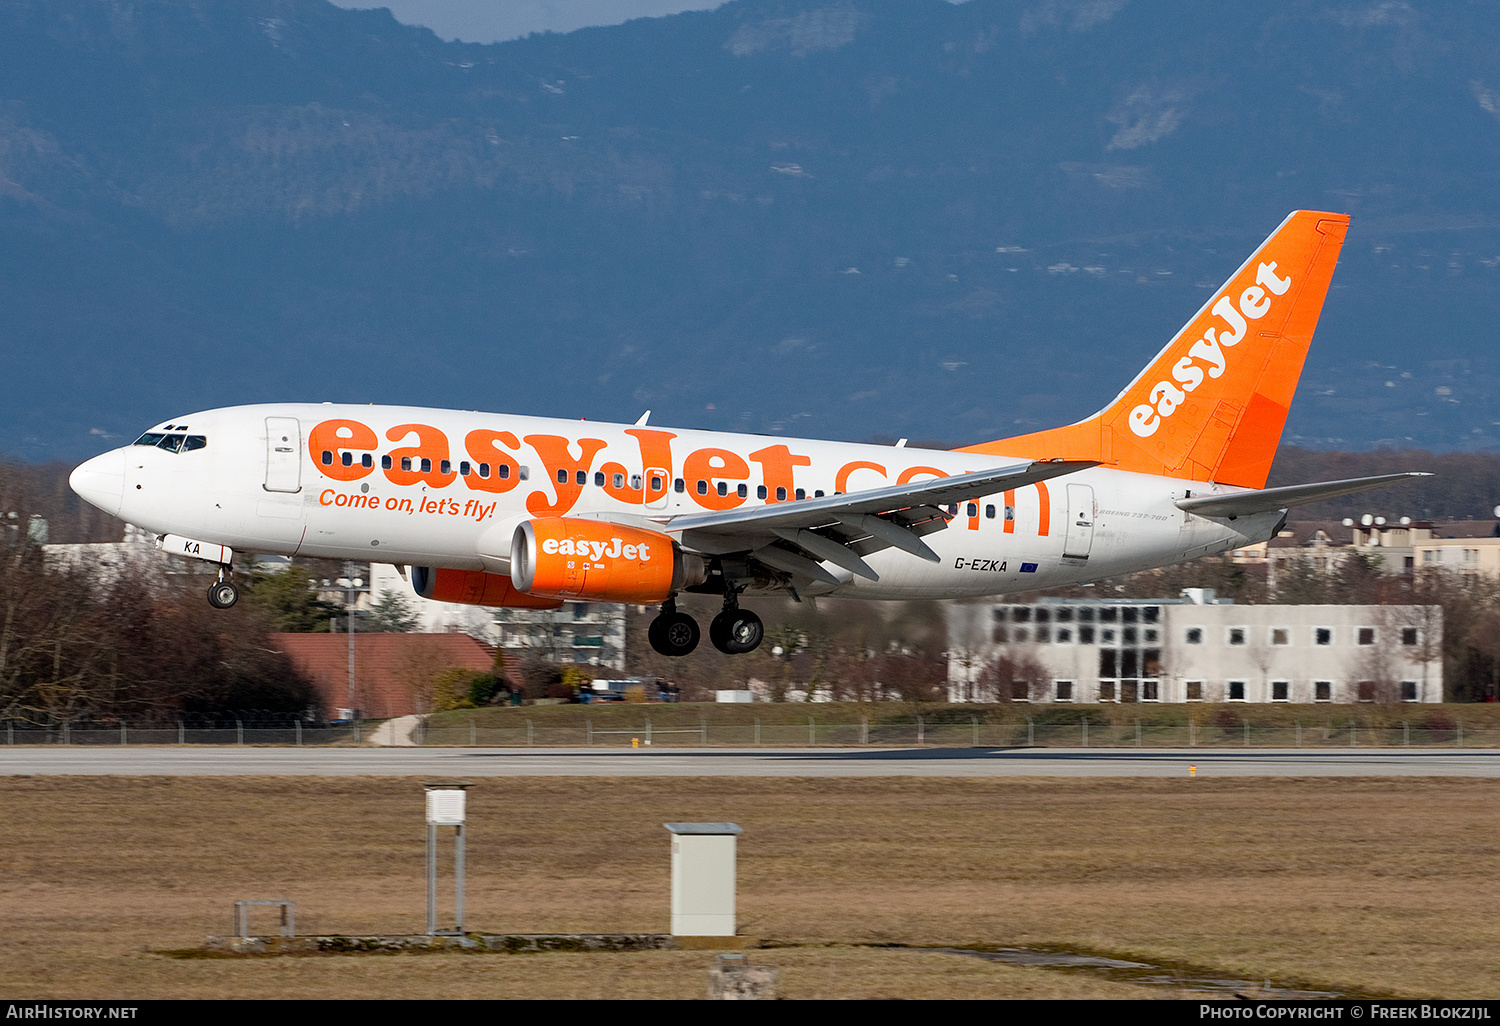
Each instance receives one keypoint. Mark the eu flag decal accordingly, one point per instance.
(1028, 568)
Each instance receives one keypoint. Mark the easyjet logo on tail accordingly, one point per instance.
(1212, 350)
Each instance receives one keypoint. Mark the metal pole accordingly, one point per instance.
(473, 735)
(757, 731)
(703, 730)
(181, 733)
(921, 731)
(458, 880)
(1138, 732)
(1030, 732)
(810, 737)
(648, 732)
(528, 734)
(1085, 732)
(122, 732)
(431, 879)
(975, 720)
(297, 724)
(239, 732)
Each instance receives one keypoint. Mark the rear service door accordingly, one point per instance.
(1080, 537)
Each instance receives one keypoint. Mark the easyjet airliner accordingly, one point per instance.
(498, 510)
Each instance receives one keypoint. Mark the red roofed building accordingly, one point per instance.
(394, 674)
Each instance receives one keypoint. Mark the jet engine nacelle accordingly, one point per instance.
(591, 559)
(474, 588)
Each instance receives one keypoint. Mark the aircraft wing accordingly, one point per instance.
(1240, 504)
(795, 536)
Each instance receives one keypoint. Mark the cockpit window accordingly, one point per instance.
(173, 442)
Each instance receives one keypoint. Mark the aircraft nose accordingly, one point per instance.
(101, 481)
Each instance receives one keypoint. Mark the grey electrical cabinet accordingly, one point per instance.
(703, 879)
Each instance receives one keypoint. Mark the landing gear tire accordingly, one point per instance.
(223, 594)
(673, 634)
(736, 631)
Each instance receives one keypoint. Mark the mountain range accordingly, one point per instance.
(855, 219)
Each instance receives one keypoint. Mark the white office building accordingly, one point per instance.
(1193, 649)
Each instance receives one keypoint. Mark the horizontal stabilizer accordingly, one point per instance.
(1242, 504)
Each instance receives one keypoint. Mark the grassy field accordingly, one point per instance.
(1380, 887)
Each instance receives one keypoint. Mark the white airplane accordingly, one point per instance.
(497, 510)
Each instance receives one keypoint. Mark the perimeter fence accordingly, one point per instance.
(291, 733)
(949, 734)
(917, 732)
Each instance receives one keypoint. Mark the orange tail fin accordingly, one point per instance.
(1212, 404)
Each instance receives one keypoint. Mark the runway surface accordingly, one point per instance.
(451, 763)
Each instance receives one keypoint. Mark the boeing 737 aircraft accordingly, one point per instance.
(497, 510)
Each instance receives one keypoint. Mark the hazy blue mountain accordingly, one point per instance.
(855, 219)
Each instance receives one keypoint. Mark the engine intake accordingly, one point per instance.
(567, 557)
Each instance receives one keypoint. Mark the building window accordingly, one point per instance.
(1280, 691)
(1323, 635)
(1018, 634)
(999, 614)
(1236, 691)
(1408, 636)
(1064, 636)
(1062, 690)
(1085, 635)
(1236, 635)
(1106, 691)
(1043, 635)
(1193, 690)
(1194, 636)
(1409, 691)
(1000, 636)
(1150, 691)
(1367, 635)
(1281, 636)
(1322, 691)
(1366, 690)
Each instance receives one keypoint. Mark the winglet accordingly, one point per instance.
(1211, 406)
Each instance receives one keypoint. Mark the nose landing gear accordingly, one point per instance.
(222, 593)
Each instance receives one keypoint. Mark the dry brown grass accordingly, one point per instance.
(1376, 886)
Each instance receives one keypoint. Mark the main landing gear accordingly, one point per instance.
(673, 633)
(734, 631)
(222, 593)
